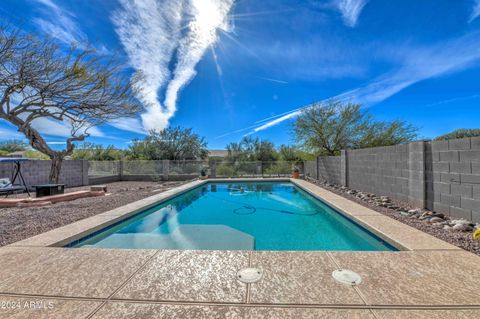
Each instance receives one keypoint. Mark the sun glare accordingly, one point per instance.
(210, 15)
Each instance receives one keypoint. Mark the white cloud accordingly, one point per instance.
(55, 128)
(7, 134)
(419, 64)
(56, 143)
(60, 23)
(350, 10)
(208, 16)
(272, 80)
(149, 31)
(154, 39)
(475, 11)
(47, 127)
(457, 99)
(128, 124)
(276, 121)
(315, 58)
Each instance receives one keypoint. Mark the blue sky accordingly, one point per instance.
(229, 68)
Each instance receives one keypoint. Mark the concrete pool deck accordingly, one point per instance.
(428, 279)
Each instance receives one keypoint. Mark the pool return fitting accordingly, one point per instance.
(249, 275)
(347, 277)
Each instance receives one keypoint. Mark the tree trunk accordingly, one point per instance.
(55, 169)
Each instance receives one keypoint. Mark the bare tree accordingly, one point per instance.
(40, 80)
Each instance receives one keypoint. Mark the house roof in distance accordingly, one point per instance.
(217, 153)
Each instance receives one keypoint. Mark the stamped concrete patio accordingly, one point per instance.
(428, 279)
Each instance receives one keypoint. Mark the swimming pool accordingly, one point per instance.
(238, 216)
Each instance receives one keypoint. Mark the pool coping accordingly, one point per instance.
(397, 234)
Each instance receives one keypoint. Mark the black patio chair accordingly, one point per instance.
(7, 188)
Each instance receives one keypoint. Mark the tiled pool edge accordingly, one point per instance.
(397, 234)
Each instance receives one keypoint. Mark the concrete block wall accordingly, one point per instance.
(443, 176)
(416, 174)
(35, 172)
(311, 169)
(380, 170)
(453, 177)
(344, 167)
(329, 168)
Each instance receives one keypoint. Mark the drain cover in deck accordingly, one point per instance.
(347, 277)
(249, 275)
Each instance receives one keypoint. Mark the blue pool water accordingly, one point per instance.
(239, 216)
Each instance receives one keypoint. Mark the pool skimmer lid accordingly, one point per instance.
(347, 277)
(249, 275)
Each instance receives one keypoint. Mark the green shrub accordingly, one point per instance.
(172, 143)
(461, 133)
(96, 152)
(31, 154)
(227, 171)
(11, 146)
(280, 168)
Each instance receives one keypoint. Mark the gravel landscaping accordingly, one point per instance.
(20, 223)
(457, 232)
